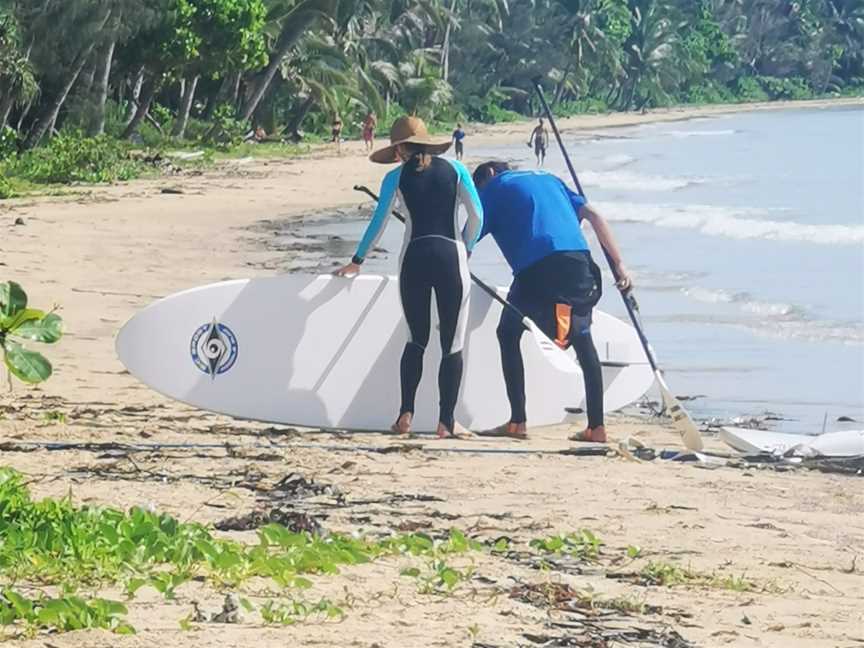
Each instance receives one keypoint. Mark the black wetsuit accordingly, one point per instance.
(434, 258)
(558, 293)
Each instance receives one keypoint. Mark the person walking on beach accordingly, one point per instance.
(370, 122)
(336, 132)
(539, 140)
(458, 136)
(434, 257)
(536, 221)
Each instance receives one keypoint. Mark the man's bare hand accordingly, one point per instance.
(624, 282)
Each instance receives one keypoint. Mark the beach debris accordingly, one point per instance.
(171, 190)
(230, 610)
(296, 521)
(298, 487)
(19, 221)
(196, 615)
(587, 451)
(595, 636)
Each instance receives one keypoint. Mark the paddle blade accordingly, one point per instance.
(554, 354)
(681, 419)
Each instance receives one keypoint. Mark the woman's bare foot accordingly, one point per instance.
(403, 424)
(443, 432)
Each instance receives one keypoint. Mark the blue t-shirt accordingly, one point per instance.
(459, 134)
(531, 214)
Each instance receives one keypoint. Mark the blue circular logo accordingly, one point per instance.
(214, 348)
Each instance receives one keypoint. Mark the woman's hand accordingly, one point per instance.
(350, 270)
(624, 282)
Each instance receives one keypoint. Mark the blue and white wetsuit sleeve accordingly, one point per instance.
(467, 195)
(386, 204)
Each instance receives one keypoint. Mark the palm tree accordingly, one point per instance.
(75, 29)
(17, 81)
(291, 20)
(651, 66)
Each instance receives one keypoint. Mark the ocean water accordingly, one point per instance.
(745, 237)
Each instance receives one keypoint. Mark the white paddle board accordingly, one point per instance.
(323, 352)
(846, 443)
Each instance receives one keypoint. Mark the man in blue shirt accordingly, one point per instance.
(536, 221)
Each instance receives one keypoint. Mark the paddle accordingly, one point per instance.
(680, 417)
(551, 351)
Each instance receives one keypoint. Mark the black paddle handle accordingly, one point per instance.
(485, 288)
(627, 295)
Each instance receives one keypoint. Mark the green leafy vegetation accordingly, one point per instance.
(669, 575)
(582, 545)
(298, 610)
(71, 158)
(53, 542)
(19, 324)
(61, 614)
(180, 73)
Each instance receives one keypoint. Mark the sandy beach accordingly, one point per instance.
(775, 558)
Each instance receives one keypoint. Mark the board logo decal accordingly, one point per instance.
(214, 348)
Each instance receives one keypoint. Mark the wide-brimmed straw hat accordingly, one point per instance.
(409, 130)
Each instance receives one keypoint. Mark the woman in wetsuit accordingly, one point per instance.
(434, 257)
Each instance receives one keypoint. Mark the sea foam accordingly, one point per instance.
(734, 223)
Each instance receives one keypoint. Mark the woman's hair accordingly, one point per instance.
(485, 171)
(418, 152)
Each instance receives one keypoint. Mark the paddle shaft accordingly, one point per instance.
(485, 288)
(629, 300)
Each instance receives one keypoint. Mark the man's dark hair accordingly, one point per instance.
(486, 170)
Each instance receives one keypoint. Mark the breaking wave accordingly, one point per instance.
(630, 181)
(746, 302)
(734, 223)
(773, 319)
(701, 133)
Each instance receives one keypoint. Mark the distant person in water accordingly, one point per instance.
(458, 136)
(536, 221)
(370, 122)
(336, 132)
(539, 139)
(434, 258)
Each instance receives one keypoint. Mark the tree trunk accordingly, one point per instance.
(103, 74)
(559, 89)
(445, 50)
(293, 128)
(210, 108)
(23, 116)
(302, 20)
(136, 93)
(148, 92)
(185, 107)
(48, 117)
(264, 82)
(85, 80)
(235, 88)
(6, 101)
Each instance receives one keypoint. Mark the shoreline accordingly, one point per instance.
(682, 112)
(783, 550)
